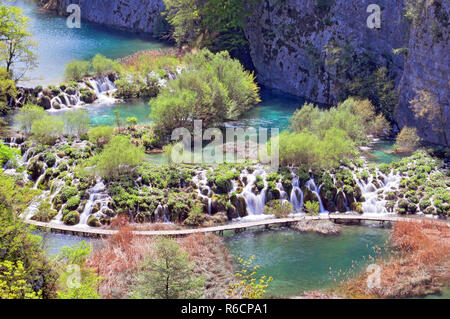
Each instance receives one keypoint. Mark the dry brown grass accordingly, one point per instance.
(419, 266)
(119, 257)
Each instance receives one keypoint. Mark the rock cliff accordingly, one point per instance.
(427, 68)
(139, 16)
(288, 41)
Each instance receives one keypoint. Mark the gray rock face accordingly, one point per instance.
(135, 15)
(428, 68)
(287, 40)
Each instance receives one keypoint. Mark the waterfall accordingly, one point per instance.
(311, 184)
(372, 204)
(296, 190)
(255, 203)
(96, 193)
(166, 213)
(103, 87)
(209, 206)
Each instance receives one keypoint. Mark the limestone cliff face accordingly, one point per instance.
(427, 68)
(135, 15)
(287, 40)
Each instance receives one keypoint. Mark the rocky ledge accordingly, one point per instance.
(325, 227)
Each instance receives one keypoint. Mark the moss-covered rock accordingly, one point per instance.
(93, 221)
(71, 218)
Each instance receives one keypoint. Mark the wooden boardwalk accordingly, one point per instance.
(237, 227)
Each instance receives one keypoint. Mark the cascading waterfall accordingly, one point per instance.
(311, 184)
(255, 203)
(372, 203)
(296, 204)
(96, 195)
(103, 88)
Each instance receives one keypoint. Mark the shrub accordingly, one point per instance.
(212, 88)
(196, 216)
(119, 157)
(168, 274)
(71, 218)
(47, 130)
(76, 122)
(278, 208)
(101, 135)
(76, 70)
(102, 65)
(7, 154)
(312, 208)
(28, 114)
(407, 139)
(131, 121)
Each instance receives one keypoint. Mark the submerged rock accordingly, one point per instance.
(325, 227)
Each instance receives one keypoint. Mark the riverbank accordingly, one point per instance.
(418, 265)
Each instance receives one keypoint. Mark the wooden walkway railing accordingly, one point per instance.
(238, 226)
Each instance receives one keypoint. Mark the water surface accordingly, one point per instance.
(300, 262)
(58, 44)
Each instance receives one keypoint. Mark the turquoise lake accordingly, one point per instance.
(58, 44)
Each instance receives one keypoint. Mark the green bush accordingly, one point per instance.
(28, 114)
(312, 208)
(47, 130)
(102, 65)
(101, 135)
(212, 88)
(278, 208)
(76, 70)
(119, 157)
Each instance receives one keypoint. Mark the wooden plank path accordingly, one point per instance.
(238, 226)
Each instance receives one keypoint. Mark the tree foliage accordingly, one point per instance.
(249, 286)
(27, 115)
(212, 88)
(18, 246)
(118, 157)
(278, 208)
(426, 105)
(168, 274)
(77, 281)
(16, 46)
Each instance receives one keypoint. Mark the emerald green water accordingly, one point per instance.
(300, 262)
(58, 44)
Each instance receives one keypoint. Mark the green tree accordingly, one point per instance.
(119, 157)
(15, 42)
(18, 245)
(213, 88)
(101, 135)
(168, 274)
(131, 121)
(27, 115)
(76, 122)
(426, 105)
(407, 139)
(13, 282)
(47, 129)
(7, 91)
(7, 153)
(77, 281)
(102, 65)
(76, 70)
(312, 208)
